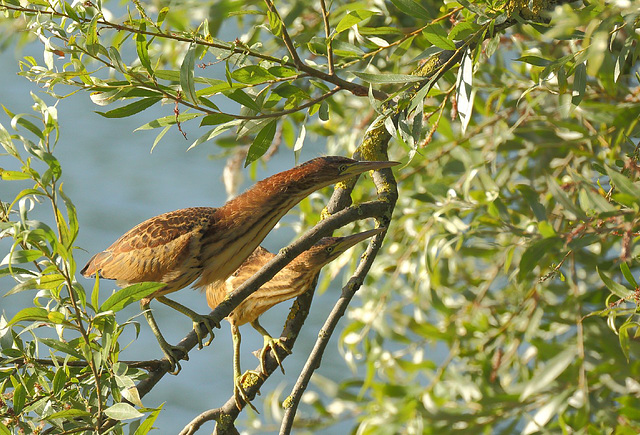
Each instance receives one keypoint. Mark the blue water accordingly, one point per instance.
(115, 183)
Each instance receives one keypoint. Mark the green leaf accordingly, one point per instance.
(388, 78)
(215, 132)
(19, 398)
(122, 411)
(59, 380)
(548, 373)
(534, 60)
(353, 18)
(141, 48)
(30, 313)
(216, 119)
(147, 424)
(625, 340)
(61, 346)
(168, 120)
(68, 414)
(242, 98)
(615, 288)
(534, 254)
(4, 430)
(579, 84)
(187, 73)
(624, 268)
(275, 23)
(438, 36)
(130, 109)
(252, 74)
(261, 143)
(95, 293)
(412, 9)
(623, 184)
(92, 35)
(13, 175)
(130, 294)
(19, 257)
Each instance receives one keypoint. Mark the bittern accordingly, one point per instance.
(206, 245)
(292, 281)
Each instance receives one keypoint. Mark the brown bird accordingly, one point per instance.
(292, 281)
(208, 244)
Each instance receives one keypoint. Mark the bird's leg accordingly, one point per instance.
(195, 317)
(238, 390)
(173, 353)
(269, 343)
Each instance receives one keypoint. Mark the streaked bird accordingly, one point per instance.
(292, 281)
(205, 245)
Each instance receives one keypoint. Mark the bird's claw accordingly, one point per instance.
(270, 343)
(238, 390)
(209, 324)
(174, 354)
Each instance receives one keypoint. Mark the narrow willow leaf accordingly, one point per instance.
(19, 257)
(130, 109)
(261, 143)
(252, 74)
(61, 346)
(275, 23)
(353, 18)
(579, 84)
(534, 60)
(625, 339)
(68, 414)
(141, 48)
(215, 132)
(168, 120)
(122, 411)
(615, 288)
(92, 35)
(147, 424)
(623, 184)
(545, 375)
(436, 35)
(388, 78)
(13, 175)
(31, 313)
(412, 9)
(130, 294)
(118, 63)
(187, 73)
(465, 91)
(624, 268)
(244, 99)
(19, 398)
(534, 254)
(216, 119)
(95, 294)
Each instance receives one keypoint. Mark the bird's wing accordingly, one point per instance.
(154, 250)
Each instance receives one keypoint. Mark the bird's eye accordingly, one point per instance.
(342, 168)
(329, 249)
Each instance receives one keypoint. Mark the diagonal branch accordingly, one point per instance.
(284, 257)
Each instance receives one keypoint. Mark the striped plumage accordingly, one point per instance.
(292, 281)
(205, 245)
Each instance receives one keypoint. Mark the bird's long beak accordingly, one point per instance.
(364, 166)
(348, 241)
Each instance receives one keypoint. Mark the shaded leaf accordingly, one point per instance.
(130, 294)
(261, 143)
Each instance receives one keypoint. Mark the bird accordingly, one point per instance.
(205, 245)
(292, 281)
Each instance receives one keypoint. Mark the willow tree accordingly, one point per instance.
(511, 224)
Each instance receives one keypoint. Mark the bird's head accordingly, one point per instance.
(329, 248)
(323, 171)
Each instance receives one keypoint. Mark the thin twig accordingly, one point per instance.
(327, 34)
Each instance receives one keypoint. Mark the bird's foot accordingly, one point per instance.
(247, 379)
(209, 324)
(271, 343)
(174, 354)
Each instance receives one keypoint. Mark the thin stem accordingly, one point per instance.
(327, 34)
